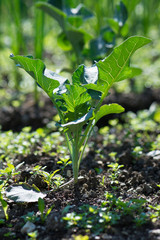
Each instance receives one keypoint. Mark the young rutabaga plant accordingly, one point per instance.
(79, 102)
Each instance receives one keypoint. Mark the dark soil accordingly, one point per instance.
(138, 179)
(29, 115)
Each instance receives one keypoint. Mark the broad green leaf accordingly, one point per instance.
(79, 122)
(75, 97)
(85, 75)
(75, 21)
(47, 79)
(108, 109)
(111, 69)
(129, 72)
(54, 12)
(23, 193)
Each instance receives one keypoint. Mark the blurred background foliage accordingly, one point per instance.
(66, 33)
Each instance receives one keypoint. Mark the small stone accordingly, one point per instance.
(69, 173)
(147, 188)
(139, 189)
(85, 196)
(28, 227)
(92, 194)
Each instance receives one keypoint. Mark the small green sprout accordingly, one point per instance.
(112, 210)
(103, 181)
(4, 204)
(79, 101)
(30, 217)
(10, 171)
(41, 207)
(64, 162)
(49, 178)
(115, 168)
(33, 235)
(81, 237)
(156, 214)
(137, 151)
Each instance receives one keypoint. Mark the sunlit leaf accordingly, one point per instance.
(108, 109)
(47, 79)
(112, 68)
(23, 193)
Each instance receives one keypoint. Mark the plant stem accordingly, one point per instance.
(75, 156)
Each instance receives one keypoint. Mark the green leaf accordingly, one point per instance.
(75, 97)
(4, 206)
(23, 193)
(75, 21)
(41, 205)
(129, 72)
(76, 124)
(63, 42)
(130, 4)
(112, 68)
(85, 75)
(113, 24)
(82, 11)
(77, 37)
(54, 12)
(108, 109)
(47, 79)
(121, 14)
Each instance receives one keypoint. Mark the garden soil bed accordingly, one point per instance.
(138, 179)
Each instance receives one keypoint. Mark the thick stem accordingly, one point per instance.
(75, 156)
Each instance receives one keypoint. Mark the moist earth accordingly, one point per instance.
(137, 179)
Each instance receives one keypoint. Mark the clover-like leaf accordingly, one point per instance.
(23, 193)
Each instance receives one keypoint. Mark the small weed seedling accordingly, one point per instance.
(64, 162)
(79, 101)
(41, 207)
(115, 172)
(111, 212)
(49, 178)
(4, 205)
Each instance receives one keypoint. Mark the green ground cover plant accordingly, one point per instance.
(111, 211)
(79, 101)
